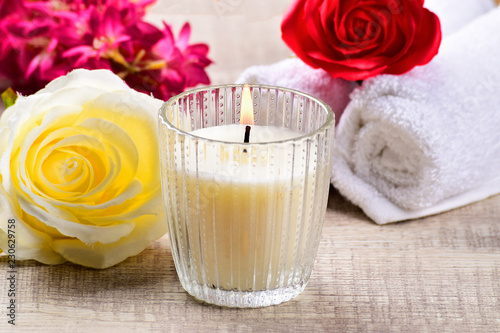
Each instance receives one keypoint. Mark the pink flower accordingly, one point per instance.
(195, 58)
(47, 38)
(170, 67)
(29, 48)
(103, 36)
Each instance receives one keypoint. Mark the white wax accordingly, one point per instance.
(251, 208)
(236, 133)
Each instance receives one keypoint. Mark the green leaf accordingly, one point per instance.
(9, 97)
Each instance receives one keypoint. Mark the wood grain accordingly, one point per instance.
(438, 274)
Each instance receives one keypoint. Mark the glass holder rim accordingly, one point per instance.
(325, 126)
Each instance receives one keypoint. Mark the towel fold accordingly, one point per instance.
(294, 74)
(427, 141)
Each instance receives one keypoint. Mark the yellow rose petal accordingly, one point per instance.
(133, 189)
(128, 210)
(127, 110)
(81, 79)
(85, 232)
(117, 140)
(30, 243)
(106, 255)
(42, 164)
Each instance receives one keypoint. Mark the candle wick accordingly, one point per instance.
(247, 134)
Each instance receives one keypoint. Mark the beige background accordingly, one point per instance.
(240, 33)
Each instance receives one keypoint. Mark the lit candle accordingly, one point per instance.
(245, 218)
(236, 132)
(243, 208)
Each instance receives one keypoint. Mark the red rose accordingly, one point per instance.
(357, 39)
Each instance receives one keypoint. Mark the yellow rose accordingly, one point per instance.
(80, 172)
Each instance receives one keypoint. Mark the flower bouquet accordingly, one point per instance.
(42, 40)
(79, 166)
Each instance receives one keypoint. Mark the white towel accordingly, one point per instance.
(294, 74)
(427, 141)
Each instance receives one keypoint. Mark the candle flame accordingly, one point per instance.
(246, 106)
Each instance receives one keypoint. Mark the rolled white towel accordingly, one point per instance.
(295, 74)
(427, 141)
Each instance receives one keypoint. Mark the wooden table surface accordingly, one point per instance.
(437, 274)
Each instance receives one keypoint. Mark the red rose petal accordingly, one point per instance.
(356, 39)
(425, 45)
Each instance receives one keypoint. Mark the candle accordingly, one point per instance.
(236, 133)
(242, 209)
(247, 230)
(245, 218)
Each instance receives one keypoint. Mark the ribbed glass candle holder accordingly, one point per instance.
(244, 219)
